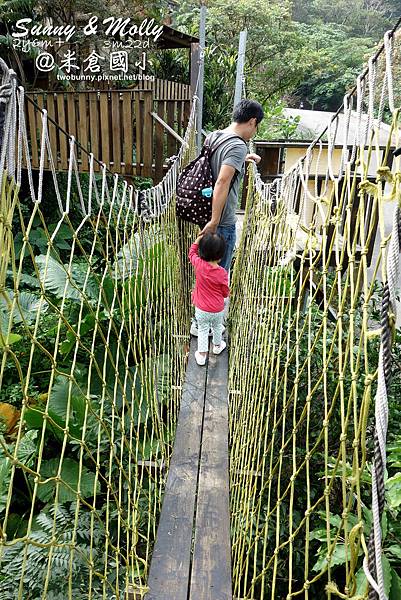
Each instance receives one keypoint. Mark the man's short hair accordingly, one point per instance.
(247, 109)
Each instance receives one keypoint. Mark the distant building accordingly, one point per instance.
(278, 156)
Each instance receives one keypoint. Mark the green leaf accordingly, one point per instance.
(87, 324)
(395, 591)
(394, 550)
(26, 307)
(150, 449)
(12, 338)
(338, 557)
(393, 490)
(384, 525)
(5, 476)
(57, 409)
(69, 475)
(6, 339)
(26, 450)
(55, 278)
(361, 582)
(318, 534)
(386, 574)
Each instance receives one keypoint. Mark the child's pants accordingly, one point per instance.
(206, 321)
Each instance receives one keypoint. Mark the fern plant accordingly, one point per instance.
(29, 560)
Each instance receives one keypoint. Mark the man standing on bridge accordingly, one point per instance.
(228, 167)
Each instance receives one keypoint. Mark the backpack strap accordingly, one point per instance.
(214, 147)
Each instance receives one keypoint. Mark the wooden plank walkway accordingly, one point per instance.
(192, 554)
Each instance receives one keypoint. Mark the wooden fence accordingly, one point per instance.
(116, 125)
(164, 89)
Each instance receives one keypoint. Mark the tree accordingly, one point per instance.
(338, 61)
(276, 55)
(341, 36)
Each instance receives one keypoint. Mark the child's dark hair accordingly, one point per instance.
(212, 247)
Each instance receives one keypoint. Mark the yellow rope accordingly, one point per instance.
(303, 329)
(93, 348)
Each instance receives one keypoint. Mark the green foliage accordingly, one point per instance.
(66, 406)
(274, 53)
(340, 37)
(57, 524)
(26, 453)
(275, 125)
(26, 307)
(338, 57)
(218, 91)
(72, 480)
(76, 285)
(6, 338)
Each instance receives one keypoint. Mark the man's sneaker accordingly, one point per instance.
(200, 358)
(219, 349)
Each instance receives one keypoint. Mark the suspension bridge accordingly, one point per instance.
(127, 471)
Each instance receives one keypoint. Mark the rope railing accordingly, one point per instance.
(313, 317)
(94, 332)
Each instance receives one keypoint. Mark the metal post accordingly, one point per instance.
(240, 66)
(202, 43)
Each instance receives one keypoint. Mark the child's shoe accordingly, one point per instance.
(200, 358)
(219, 349)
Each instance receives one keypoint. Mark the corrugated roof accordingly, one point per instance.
(313, 122)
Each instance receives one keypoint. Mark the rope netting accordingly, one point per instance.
(94, 315)
(313, 314)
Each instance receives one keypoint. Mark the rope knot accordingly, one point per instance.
(369, 379)
(368, 187)
(384, 174)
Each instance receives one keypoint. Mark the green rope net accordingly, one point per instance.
(94, 315)
(304, 354)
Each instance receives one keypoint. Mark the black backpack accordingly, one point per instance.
(191, 205)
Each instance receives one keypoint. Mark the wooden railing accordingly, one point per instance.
(116, 125)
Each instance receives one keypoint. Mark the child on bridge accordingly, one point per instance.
(211, 288)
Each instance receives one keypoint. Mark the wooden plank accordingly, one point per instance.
(171, 140)
(187, 112)
(138, 132)
(128, 126)
(147, 134)
(180, 129)
(104, 128)
(71, 113)
(94, 127)
(53, 131)
(116, 132)
(159, 142)
(33, 132)
(170, 566)
(40, 101)
(211, 568)
(83, 128)
(64, 141)
(167, 127)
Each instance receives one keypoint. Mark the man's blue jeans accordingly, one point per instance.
(228, 233)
